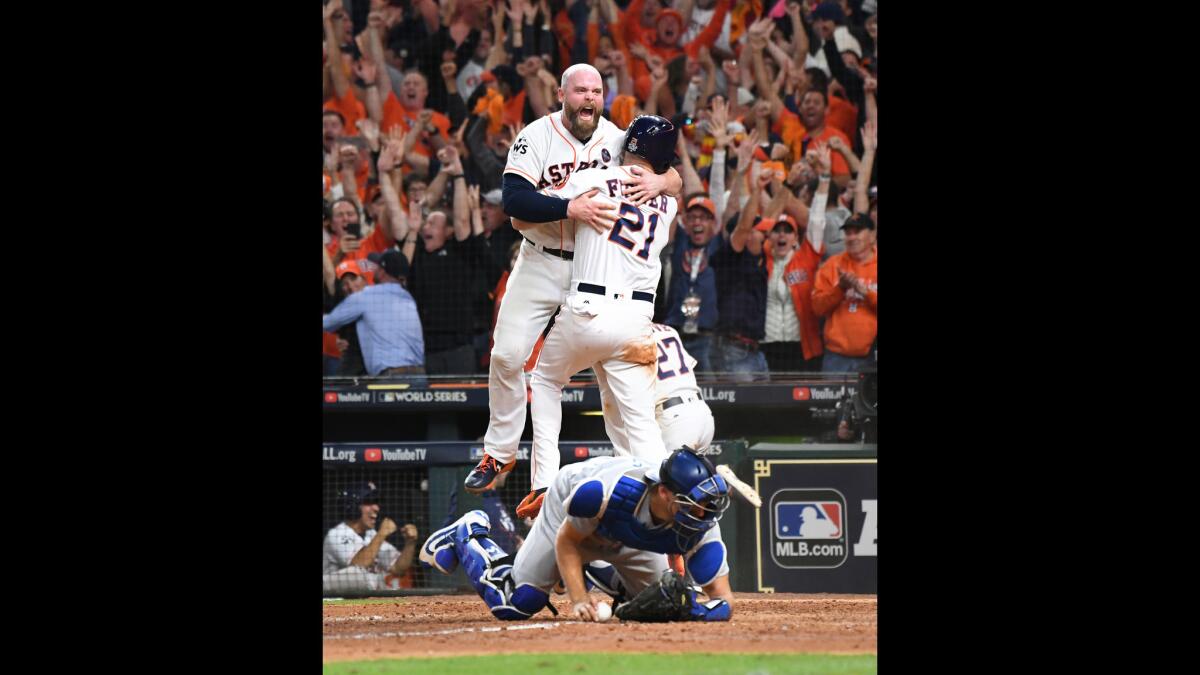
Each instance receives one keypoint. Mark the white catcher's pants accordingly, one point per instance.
(536, 288)
(614, 337)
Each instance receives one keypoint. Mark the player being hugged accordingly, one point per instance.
(605, 323)
(543, 158)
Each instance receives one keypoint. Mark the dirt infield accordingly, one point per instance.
(457, 625)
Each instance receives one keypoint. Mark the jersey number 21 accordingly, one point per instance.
(626, 222)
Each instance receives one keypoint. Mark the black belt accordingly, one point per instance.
(674, 401)
(600, 290)
(565, 255)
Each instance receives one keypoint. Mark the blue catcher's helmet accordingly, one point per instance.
(653, 139)
(701, 493)
(352, 498)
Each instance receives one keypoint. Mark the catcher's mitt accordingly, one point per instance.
(667, 599)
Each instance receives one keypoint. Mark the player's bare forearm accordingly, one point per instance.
(861, 201)
(341, 83)
(674, 182)
(406, 557)
(570, 562)
(366, 555)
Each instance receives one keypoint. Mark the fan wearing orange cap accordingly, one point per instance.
(792, 340)
(351, 279)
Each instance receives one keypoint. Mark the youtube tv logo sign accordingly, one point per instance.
(372, 455)
(330, 397)
(801, 393)
(581, 451)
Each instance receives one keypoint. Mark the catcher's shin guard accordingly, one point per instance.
(489, 569)
(439, 549)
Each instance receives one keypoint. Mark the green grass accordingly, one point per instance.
(365, 601)
(604, 663)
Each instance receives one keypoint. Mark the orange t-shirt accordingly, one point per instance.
(853, 320)
(794, 134)
(395, 113)
(350, 108)
(377, 242)
(843, 115)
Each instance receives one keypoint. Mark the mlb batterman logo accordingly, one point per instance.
(808, 528)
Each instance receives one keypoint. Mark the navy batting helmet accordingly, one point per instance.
(351, 499)
(702, 494)
(653, 139)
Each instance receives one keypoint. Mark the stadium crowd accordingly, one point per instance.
(773, 265)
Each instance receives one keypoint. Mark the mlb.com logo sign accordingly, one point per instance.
(808, 528)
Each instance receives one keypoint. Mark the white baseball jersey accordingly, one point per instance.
(535, 563)
(342, 542)
(547, 155)
(689, 423)
(676, 367)
(625, 258)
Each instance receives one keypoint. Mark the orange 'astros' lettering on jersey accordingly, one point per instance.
(559, 173)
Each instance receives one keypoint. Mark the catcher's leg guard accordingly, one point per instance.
(489, 569)
(605, 577)
(439, 550)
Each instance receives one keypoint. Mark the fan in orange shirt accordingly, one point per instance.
(409, 112)
(664, 42)
(846, 292)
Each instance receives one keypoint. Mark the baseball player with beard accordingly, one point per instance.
(543, 157)
(605, 323)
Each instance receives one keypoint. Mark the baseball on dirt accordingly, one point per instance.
(603, 611)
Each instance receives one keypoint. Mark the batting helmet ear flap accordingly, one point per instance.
(352, 499)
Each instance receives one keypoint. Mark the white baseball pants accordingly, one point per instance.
(536, 288)
(614, 337)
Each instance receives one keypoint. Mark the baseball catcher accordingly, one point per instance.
(606, 523)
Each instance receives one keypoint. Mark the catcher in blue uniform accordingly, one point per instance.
(606, 523)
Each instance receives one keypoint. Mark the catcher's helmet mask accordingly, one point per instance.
(653, 139)
(701, 493)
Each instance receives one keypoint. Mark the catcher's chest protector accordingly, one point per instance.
(618, 521)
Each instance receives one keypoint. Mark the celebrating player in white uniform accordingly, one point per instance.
(683, 416)
(356, 557)
(605, 322)
(622, 510)
(545, 155)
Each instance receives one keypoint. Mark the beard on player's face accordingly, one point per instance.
(582, 121)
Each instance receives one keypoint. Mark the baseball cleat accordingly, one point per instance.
(483, 476)
(438, 550)
(531, 506)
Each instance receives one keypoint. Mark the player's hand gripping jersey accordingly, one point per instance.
(626, 257)
(547, 155)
